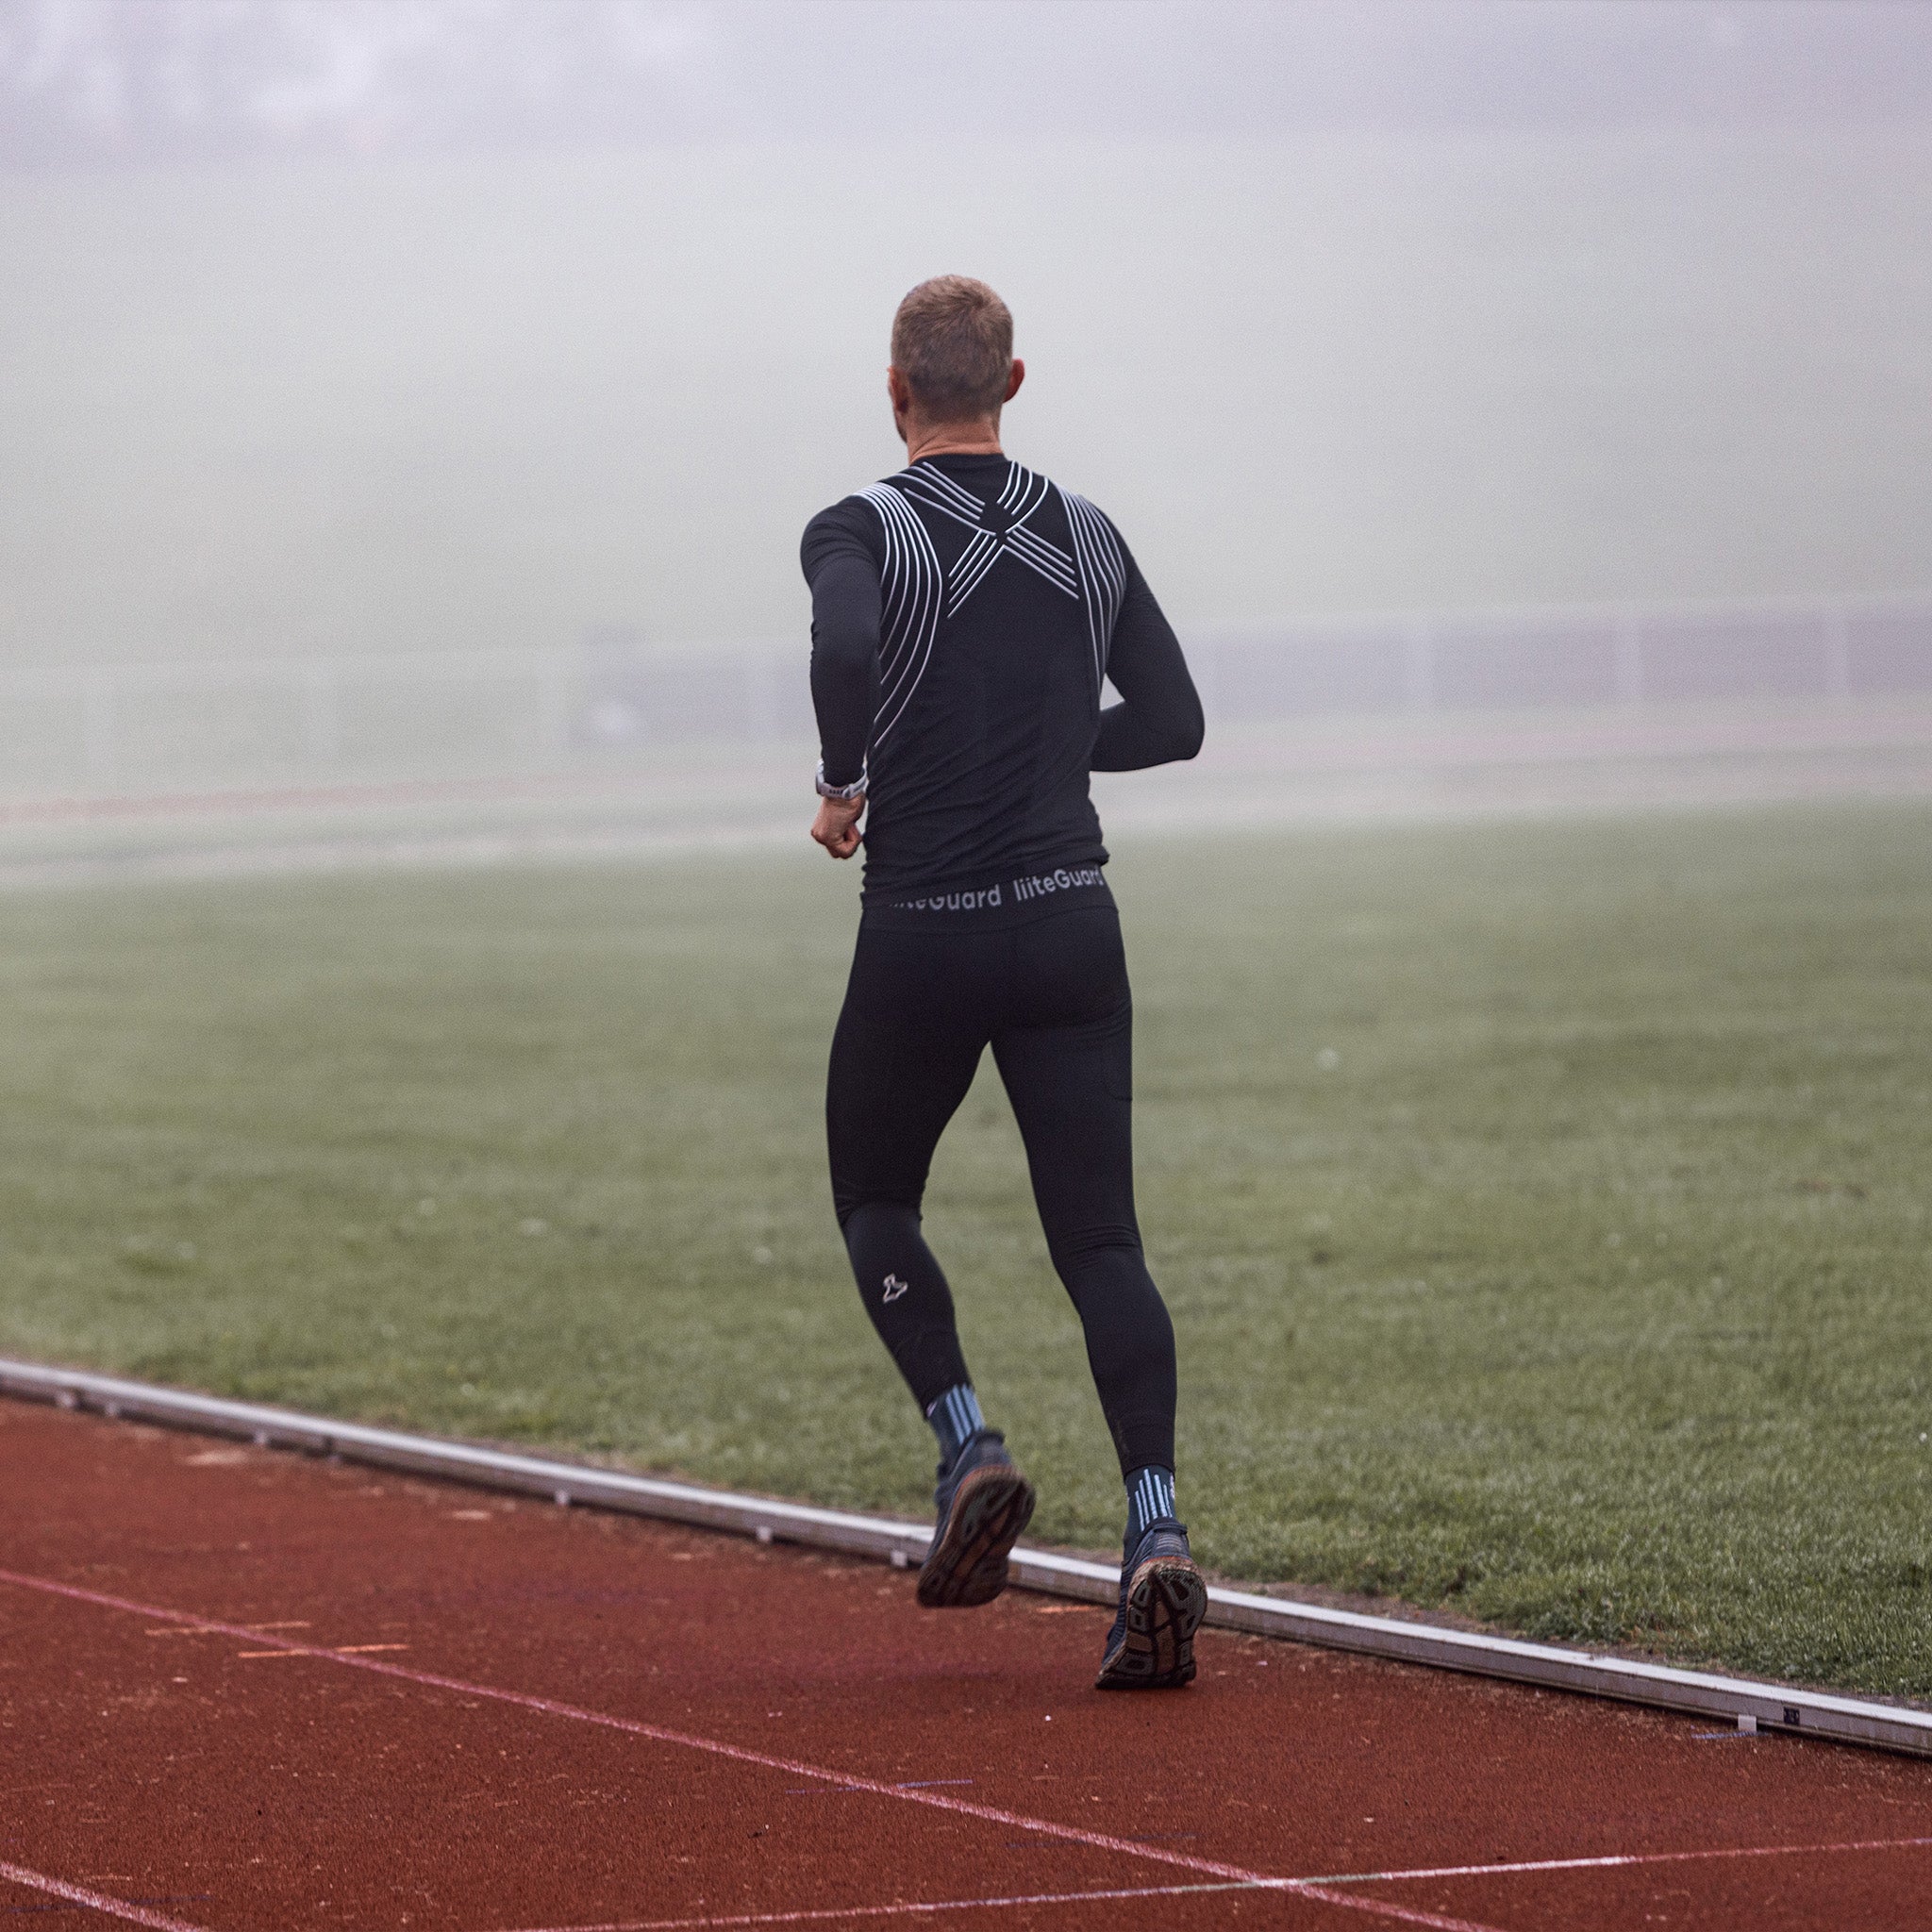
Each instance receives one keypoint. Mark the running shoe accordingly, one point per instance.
(1151, 1646)
(984, 1503)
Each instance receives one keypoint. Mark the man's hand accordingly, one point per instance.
(837, 825)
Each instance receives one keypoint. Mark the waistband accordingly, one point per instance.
(980, 904)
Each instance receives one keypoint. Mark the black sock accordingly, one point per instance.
(956, 1420)
(1150, 1497)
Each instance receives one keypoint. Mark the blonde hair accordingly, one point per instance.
(953, 342)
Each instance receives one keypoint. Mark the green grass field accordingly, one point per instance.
(1542, 1205)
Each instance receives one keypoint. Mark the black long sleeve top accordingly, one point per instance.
(964, 614)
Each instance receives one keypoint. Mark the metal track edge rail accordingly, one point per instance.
(1740, 1700)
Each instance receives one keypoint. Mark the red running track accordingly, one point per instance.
(240, 1691)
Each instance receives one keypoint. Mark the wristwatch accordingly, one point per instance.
(844, 793)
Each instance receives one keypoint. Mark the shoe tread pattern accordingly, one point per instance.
(1166, 1601)
(967, 1565)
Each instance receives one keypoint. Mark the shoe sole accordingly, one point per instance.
(968, 1562)
(1166, 1601)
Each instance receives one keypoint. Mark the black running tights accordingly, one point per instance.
(1050, 996)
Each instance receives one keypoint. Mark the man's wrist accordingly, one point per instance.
(841, 794)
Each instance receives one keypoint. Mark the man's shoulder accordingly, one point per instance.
(852, 521)
(1073, 498)
(1083, 514)
(1093, 531)
(849, 511)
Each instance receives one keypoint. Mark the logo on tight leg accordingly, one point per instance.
(895, 1287)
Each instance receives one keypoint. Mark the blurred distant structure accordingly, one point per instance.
(617, 705)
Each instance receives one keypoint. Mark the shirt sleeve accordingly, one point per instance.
(1158, 718)
(841, 556)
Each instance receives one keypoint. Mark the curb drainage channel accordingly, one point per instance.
(1751, 1706)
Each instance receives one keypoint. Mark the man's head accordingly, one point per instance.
(951, 357)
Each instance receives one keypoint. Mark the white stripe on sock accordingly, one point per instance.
(1152, 1497)
(955, 1415)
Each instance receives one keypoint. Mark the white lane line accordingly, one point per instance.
(1317, 1887)
(716, 1747)
(342, 1650)
(944, 1905)
(1862, 1844)
(1382, 1908)
(93, 1901)
(823, 1913)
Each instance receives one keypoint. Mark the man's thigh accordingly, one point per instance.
(1070, 1087)
(907, 1042)
(1070, 1076)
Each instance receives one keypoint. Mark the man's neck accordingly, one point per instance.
(976, 439)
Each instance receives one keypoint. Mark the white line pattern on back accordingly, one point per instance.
(1007, 535)
(910, 589)
(1103, 574)
(914, 589)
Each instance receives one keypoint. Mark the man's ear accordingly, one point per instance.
(1015, 378)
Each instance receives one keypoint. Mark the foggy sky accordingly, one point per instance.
(341, 326)
(102, 81)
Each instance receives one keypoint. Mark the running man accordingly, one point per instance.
(964, 613)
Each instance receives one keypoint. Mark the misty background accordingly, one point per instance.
(363, 333)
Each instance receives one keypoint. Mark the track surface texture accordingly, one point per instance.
(242, 1689)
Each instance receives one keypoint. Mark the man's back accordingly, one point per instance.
(977, 607)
